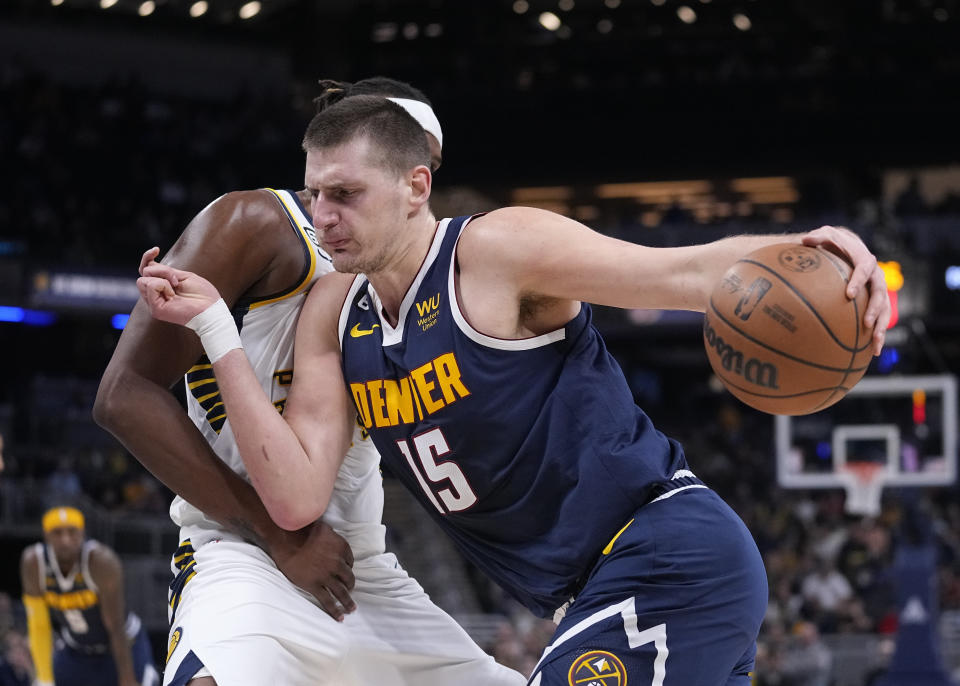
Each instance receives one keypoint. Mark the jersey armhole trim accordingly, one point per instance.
(359, 281)
(88, 547)
(40, 551)
(482, 338)
(299, 223)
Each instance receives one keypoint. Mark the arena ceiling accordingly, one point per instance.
(621, 83)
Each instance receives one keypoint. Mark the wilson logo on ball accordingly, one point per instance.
(755, 371)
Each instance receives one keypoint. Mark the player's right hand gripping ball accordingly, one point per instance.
(781, 333)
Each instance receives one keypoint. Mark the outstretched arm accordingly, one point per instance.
(525, 253)
(292, 459)
(234, 241)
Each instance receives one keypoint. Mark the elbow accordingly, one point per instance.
(292, 516)
(108, 401)
(115, 398)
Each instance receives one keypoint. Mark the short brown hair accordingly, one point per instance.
(396, 135)
(332, 92)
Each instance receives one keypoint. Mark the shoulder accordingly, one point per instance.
(258, 207)
(318, 329)
(505, 246)
(30, 558)
(238, 215)
(504, 221)
(30, 570)
(509, 233)
(241, 242)
(327, 296)
(103, 562)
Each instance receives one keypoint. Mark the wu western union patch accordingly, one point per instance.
(597, 668)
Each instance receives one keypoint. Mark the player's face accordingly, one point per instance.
(66, 542)
(358, 207)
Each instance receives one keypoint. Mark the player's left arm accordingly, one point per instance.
(538, 254)
(292, 459)
(107, 573)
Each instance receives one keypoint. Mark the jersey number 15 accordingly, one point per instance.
(447, 481)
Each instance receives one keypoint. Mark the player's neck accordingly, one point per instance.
(393, 281)
(67, 565)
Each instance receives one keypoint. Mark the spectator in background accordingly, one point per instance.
(508, 648)
(806, 660)
(141, 493)
(63, 485)
(7, 619)
(825, 592)
(1, 453)
(785, 604)
(864, 560)
(16, 667)
(910, 202)
(770, 647)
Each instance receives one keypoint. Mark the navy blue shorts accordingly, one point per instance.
(73, 668)
(678, 601)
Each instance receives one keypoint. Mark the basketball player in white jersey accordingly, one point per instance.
(236, 618)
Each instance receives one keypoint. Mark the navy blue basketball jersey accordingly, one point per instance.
(530, 453)
(74, 601)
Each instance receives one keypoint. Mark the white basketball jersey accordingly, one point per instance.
(268, 329)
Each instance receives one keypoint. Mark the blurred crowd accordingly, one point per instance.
(16, 665)
(92, 175)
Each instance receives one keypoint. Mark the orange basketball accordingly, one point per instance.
(781, 333)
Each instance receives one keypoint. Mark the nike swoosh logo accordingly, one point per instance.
(357, 332)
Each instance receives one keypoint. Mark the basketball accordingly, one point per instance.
(782, 335)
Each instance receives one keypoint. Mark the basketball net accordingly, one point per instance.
(864, 484)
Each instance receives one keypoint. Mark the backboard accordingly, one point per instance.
(889, 431)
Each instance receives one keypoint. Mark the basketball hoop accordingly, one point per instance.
(863, 482)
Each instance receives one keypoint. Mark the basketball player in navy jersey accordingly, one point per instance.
(233, 618)
(78, 583)
(467, 350)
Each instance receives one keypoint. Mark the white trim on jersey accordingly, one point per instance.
(393, 335)
(482, 338)
(599, 615)
(358, 282)
(670, 494)
(88, 547)
(65, 582)
(304, 223)
(39, 549)
(132, 626)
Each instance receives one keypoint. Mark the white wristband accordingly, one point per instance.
(217, 330)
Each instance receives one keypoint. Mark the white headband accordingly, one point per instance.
(424, 115)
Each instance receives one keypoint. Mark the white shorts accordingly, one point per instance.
(242, 620)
